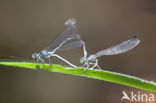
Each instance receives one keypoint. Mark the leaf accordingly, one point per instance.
(95, 74)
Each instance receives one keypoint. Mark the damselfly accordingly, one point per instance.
(114, 50)
(68, 39)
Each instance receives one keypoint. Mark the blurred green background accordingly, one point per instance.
(27, 26)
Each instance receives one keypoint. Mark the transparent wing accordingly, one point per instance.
(69, 32)
(120, 48)
(71, 45)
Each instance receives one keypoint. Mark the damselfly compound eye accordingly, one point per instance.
(35, 55)
(82, 60)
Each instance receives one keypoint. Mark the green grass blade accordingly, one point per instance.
(96, 74)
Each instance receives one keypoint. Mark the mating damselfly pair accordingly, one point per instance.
(69, 39)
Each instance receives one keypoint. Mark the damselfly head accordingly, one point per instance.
(35, 55)
(82, 60)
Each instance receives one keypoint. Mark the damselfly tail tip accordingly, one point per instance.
(70, 21)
